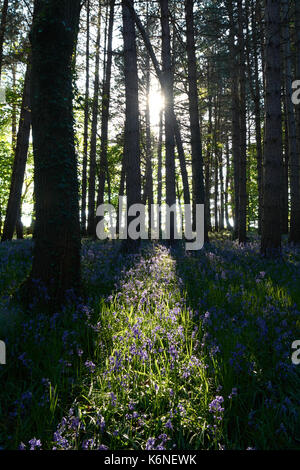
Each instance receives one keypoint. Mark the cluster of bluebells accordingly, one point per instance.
(159, 350)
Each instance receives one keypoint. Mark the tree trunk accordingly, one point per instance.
(56, 260)
(196, 142)
(235, 107)
(271, 229)
(2, 31)
(132, 131)
(17, 179)
(294, 236)
(159, 169)
(242, 218)
(103, 168)
(93, 147)
(14, 113)
(149, 156)
(86, 123)
(169, 107)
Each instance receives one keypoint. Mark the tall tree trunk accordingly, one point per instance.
(17, 179)
(132, 131)
(196, 142)
(294, 236)
(2, 31)
(169, 107)
(242, 230)
(221, 177)
(56, 259)
(235, 107)
(149, 156)
(227, 184)
(208, 158)
(285, 195)
(14, 112)
(161, 76)
(254, 84)
(86, 123)
(159, 169)
(121, 193)
(103, 168)
(93, 145)
(271, 229)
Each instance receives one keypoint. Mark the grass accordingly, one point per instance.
(170, 350)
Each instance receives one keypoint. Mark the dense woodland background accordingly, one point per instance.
(130, 344)
(227, 134)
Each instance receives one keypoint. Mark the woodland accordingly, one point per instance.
(137, 343)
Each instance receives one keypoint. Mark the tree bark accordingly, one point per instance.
(196, 141)
(235, 106)
(132, 131)
(242, 218)
(271, 229)
(93, 146)
(56, 259)
(169, 107)
(20, 159)
(2, 31)
(294, 236)
(86, 123)
(103, 167)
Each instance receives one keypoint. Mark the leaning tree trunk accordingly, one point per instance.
(132, 132)
(56, 261)
(197, 158)
(271, 227)
(17, 179)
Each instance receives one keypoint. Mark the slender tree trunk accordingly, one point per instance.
(86, 123)
(159, 169)
(242, 230)
(121, 193)
(221, 177)
(132, 131)
(196, 142)
(56, 259)
(285, 195)
(169, 107)
(208, 160)
(103, 169)
(161, 76)
(235, 108)
(17, 179)
(227, 184)
(271, 230)
(254, 84)
(93, 145)
(2, 31)
(216, 163)
(19, 225)
(291, 128)
(149, 156)
(14, 113)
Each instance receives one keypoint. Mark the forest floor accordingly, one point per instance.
(170, 350)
